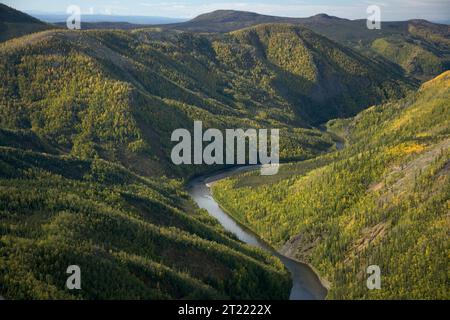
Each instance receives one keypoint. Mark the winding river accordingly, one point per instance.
(306, 285)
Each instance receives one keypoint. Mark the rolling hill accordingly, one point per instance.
(420, 47)
(133, 238)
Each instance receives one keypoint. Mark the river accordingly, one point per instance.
(306, 285)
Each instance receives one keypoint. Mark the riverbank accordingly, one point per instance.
(306, 284)
(325, 283)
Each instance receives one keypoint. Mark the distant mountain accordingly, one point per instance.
(94, 18)
(14, 23)
(344, 29)
(107, 25)
(230, 20)
(419, 47)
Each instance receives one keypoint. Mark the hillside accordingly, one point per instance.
(419, 47)
(133, 238)
(15, 23)
(119, 95)
(382, 200)
(86, 178)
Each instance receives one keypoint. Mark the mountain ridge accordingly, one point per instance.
(425, 56)
(422, 56)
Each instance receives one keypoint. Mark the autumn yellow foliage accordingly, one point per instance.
(406, 148)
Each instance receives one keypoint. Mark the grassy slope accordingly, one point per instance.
(382, 200)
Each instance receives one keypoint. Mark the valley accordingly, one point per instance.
(306, 285)
(87, 175)
(376, 201)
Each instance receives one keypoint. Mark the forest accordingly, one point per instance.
(382, 200)
(133, 237)
(86, 176)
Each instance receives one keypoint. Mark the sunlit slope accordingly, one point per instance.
(382, 200)
(119, 95)
(321, 77)
(419, 47)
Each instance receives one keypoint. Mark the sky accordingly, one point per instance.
(434, 10)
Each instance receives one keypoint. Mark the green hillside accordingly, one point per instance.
(118, 95)
(133, 238)
(86, 178)
(419, 47)
(424, 52)
(413, 58)
(382, 200)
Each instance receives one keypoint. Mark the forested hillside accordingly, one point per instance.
(419, 47)
(133, 237)
(86, 178)
(423, 51)
(382, 200)
(119, 95)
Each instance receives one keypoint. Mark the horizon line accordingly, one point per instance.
(185, 19)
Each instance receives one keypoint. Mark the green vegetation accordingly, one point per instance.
(381, 200)
(133, 237)
(424, 47)
(413, 56)
(86, 176)
(119, 95)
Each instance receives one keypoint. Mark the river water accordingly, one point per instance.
(306, 285)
